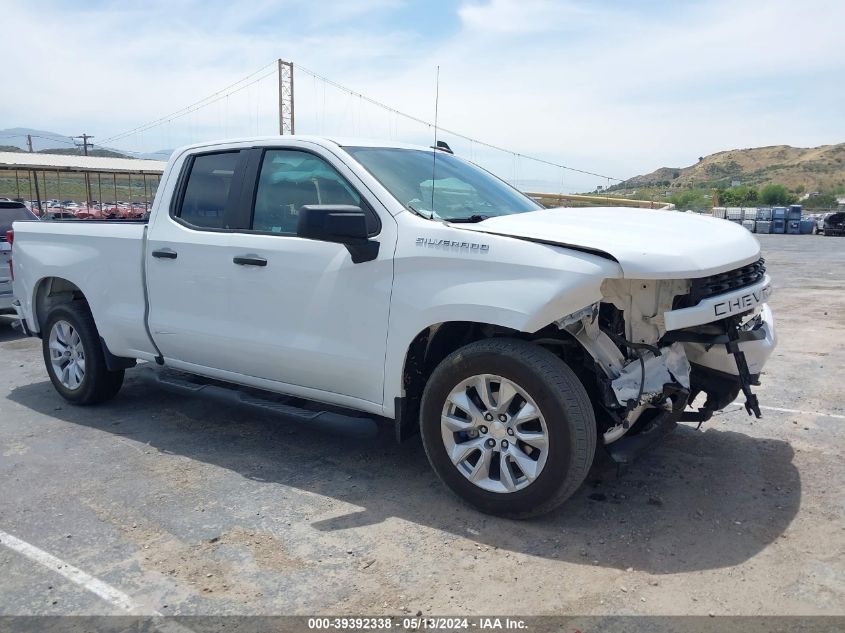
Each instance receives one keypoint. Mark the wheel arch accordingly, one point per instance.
(430, 346)
(50, 292)
(434, 343)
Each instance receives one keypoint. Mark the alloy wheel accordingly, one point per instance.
(494, 433)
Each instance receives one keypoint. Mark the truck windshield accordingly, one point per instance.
(439, 185)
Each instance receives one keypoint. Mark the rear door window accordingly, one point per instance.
(207, 192)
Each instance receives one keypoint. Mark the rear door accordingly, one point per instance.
(188, 263)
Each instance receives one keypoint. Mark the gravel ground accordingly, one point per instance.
(191, 507)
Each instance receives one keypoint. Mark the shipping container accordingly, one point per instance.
(749, 213)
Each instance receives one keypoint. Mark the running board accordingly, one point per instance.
(286, 406)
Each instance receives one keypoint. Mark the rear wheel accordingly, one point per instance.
(508, 427)
(74, 356)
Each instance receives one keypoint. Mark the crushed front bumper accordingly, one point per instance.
(757, 338)
(727, 361)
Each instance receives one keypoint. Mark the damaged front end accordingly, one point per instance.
(656, 345)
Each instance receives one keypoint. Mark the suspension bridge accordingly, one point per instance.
(283, 98)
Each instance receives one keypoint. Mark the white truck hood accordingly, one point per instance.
(648, 244)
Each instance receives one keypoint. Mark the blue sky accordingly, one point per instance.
(615, 87)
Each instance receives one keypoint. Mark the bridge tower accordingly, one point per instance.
(286, 112)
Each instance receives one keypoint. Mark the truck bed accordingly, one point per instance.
(103, 258)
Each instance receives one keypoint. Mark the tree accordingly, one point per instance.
(737, 196)
(821, 201)
(776, 195)
(684, 199)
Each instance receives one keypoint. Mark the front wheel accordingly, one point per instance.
(74, 356)
(508, 427)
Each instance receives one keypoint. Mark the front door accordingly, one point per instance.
(302, 313)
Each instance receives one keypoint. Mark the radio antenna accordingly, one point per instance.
(434, 148)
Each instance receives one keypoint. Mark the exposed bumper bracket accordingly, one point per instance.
(745, 380)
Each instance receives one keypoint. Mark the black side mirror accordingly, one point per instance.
(332, 223)
(340, 223)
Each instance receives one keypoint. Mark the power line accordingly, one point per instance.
(46, 138)
(212, 98)
(453, 133)
(227, 91)
(179, 115)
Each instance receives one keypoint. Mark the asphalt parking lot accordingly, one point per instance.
(185, 506)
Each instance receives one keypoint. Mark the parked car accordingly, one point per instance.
(407, 283)
(137, 210)
(833, 224)
(10, 212)
(59, 214)
(89, 212)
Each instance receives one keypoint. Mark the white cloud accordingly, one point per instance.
(526, 16)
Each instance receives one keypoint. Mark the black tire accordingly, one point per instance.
(98, 384)
(561, 398)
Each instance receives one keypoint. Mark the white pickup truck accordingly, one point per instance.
(406, 283)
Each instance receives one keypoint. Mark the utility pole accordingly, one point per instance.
(85, 138)
(286, 114)
(34, 176)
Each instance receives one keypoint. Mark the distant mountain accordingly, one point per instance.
(815, 168)
(16, 136)
(14, 139)
(162, 154)
(77, 151)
